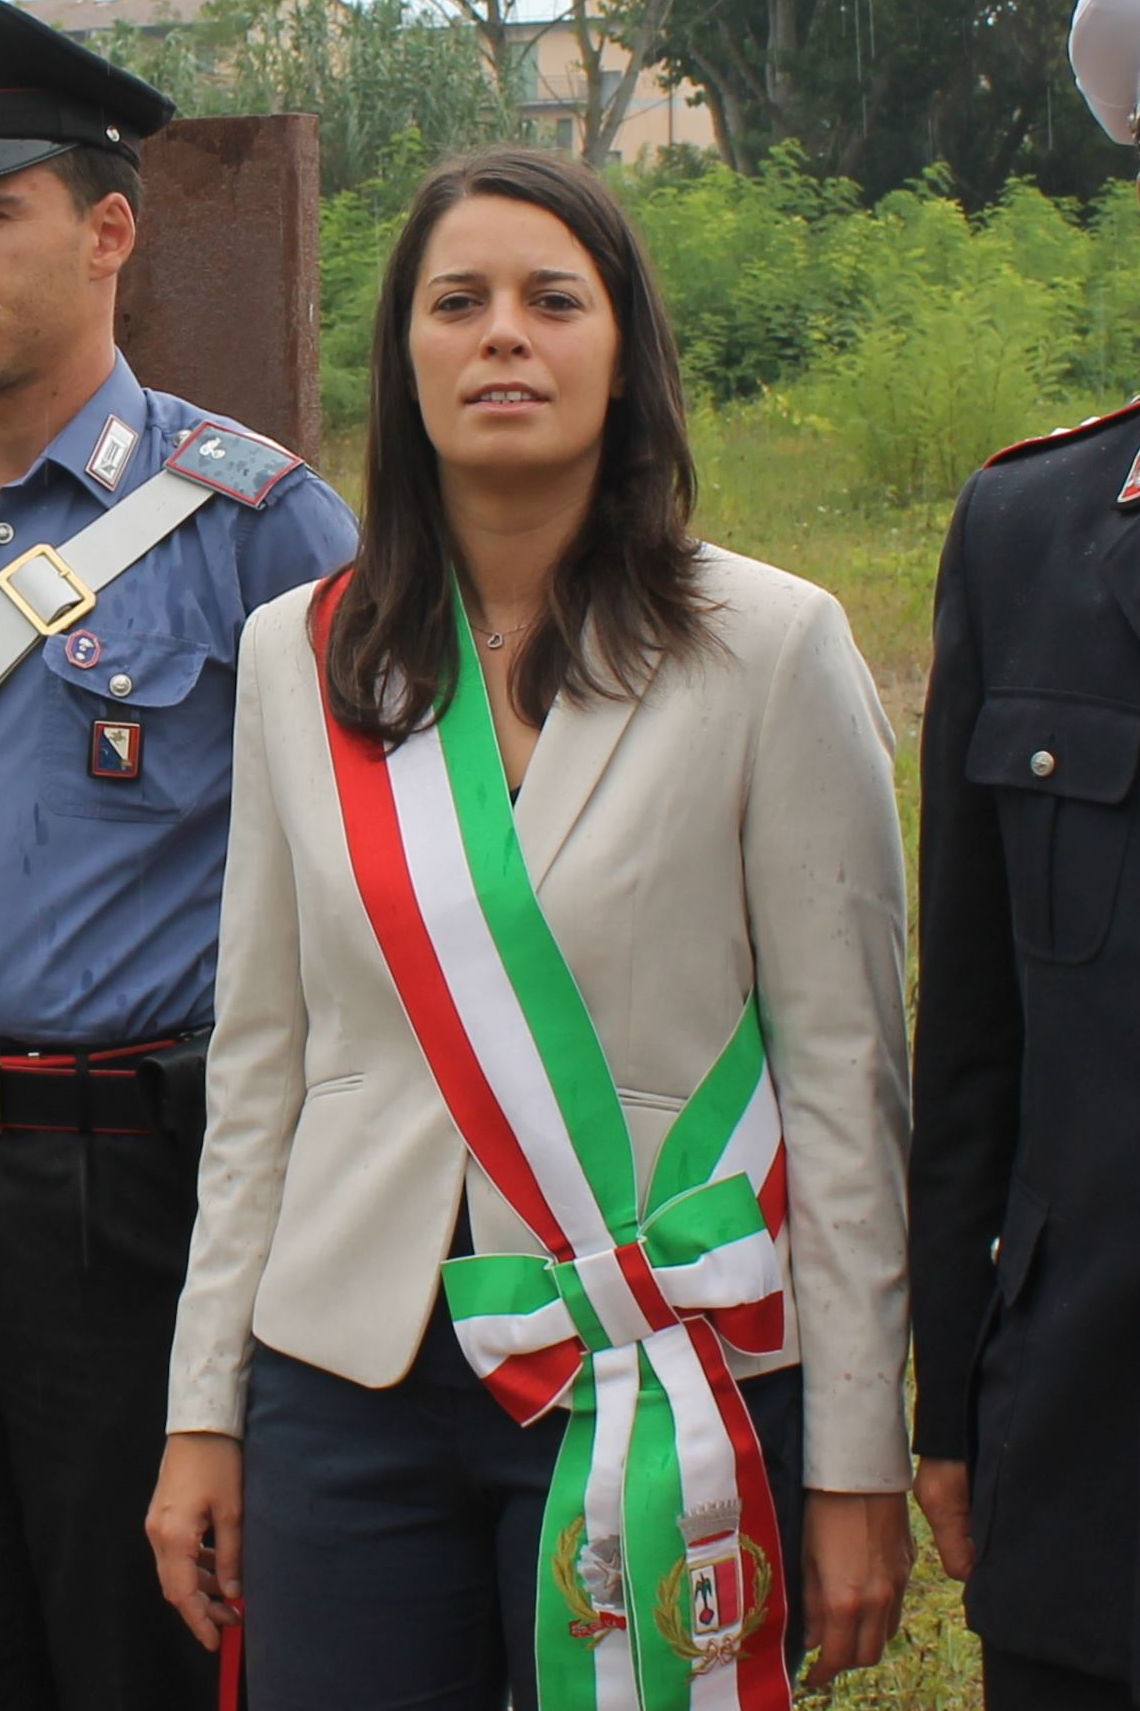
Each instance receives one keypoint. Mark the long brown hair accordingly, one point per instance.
(392, 652)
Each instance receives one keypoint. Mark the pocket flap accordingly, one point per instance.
(161, 670)
(1025, 1218)
(1055, 746)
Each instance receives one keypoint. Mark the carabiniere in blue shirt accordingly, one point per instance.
(110, 885)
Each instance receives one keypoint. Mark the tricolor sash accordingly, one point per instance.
(660, 1579)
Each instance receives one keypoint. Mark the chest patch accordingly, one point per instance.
(242, 466)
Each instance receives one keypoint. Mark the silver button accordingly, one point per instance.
(113, 134)
(120, 684)
(1042, 764)
(7, 533)
(995, 1250)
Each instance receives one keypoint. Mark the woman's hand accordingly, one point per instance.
(199, 1487)
(858, 1555)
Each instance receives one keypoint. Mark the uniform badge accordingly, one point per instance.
(83, 649)
(116, 750)
(1130, 493)
(112, 453)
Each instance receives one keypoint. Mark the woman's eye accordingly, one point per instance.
(455, 301)
(560, 301)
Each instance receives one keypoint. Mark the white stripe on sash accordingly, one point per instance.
(616, 1383)
(755, 1141)
(729, 1276)
(484, 997)
(487, 1340)
(707, 1461)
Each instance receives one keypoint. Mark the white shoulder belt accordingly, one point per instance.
(48, 589)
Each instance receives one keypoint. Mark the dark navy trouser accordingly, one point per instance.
(1022, 1684)
(391, 1537)
(93, 1237)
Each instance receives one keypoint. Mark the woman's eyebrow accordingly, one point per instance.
(540, 276)
(465, 276)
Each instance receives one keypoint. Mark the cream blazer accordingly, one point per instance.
(734, 824)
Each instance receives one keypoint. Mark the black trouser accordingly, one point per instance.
(93, 1238)
(391, 1537)
(1022, 1684)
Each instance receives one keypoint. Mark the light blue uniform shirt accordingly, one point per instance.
(109, 888)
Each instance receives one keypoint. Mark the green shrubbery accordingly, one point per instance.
(920, 337)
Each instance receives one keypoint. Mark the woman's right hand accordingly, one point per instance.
(199, 1487)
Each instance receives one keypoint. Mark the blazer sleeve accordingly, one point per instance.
(969, 1035)
(826, 897)
(254, 1088)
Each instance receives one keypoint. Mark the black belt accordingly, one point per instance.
(90, 1091)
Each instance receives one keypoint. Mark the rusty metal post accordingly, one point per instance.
(220, 301)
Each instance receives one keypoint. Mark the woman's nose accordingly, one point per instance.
(504, 335)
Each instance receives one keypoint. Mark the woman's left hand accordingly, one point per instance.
(858, 1554)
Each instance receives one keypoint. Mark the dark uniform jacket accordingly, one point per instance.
(1027, 1077)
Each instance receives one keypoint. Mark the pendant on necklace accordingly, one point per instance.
(495, 639)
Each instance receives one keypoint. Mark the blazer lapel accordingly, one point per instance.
(569, 759)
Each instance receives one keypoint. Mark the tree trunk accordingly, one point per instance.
(782, 43)
(602, 120)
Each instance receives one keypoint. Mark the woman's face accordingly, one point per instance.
(513, 343)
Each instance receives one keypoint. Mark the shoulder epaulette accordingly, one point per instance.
(232, 461)
(1090, 426)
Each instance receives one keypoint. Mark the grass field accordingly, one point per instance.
(795, 499)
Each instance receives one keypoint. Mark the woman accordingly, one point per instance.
(700, 776)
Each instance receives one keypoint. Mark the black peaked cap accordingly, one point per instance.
(56, 95)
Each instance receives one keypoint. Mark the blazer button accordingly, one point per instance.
(1043, 764)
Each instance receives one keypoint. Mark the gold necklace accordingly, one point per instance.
(496, 638)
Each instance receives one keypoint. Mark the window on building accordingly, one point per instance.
(610, 81)
(525, 70)
(564, 133)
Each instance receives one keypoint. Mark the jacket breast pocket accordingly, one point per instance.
(1062, 768)
(117, 741)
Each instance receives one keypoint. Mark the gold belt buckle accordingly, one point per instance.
(51, 626)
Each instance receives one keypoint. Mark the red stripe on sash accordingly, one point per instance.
(527, 1386)
(643, 1286)
(756, 1328)
(379, 862)
(762, 1676)
(773, 1195)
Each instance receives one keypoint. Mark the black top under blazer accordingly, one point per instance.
(1027, 1074)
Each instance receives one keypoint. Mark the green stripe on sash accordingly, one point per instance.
(651, 1544)
(702, 1128)
(563, 1030)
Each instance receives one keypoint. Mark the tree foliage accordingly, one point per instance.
(394, 88)
(923, 336)
(880, 89)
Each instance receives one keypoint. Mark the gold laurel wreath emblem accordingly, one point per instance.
(669, 1614)
(564, 1567)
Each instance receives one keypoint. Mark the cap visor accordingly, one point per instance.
(18, 152)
